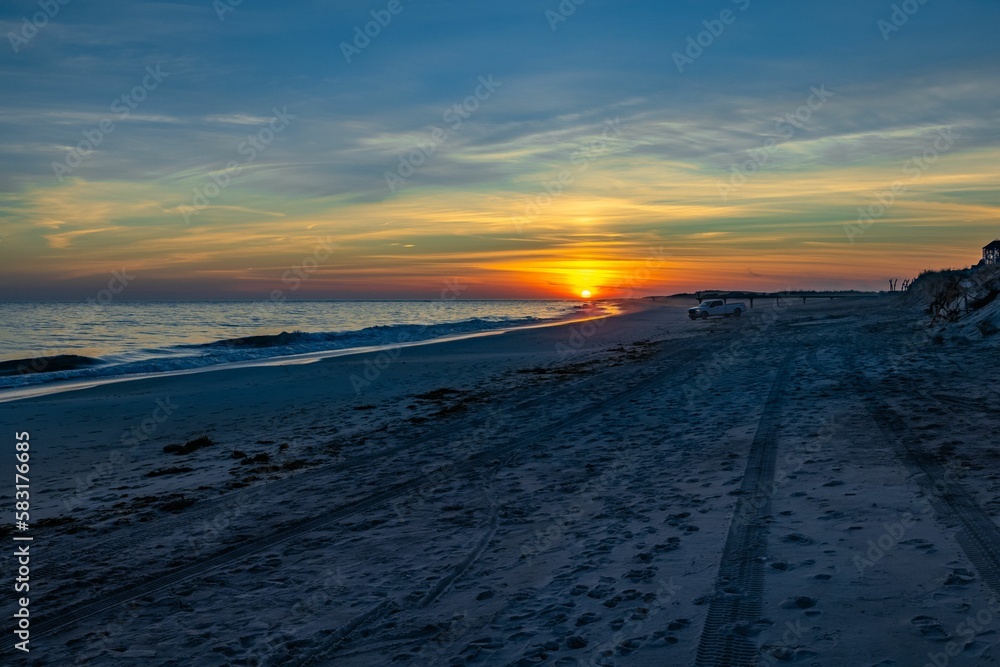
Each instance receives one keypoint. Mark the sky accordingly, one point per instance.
(522, 149)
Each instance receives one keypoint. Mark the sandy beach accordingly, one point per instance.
(515, 334)
(814, 484)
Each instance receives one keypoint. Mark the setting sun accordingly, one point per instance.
(585, 293)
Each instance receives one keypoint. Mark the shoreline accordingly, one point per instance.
(58, 386)
(561, 490)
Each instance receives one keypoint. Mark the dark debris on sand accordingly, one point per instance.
(190, 446)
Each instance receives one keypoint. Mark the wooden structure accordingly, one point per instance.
(778, 296)
(991, 252)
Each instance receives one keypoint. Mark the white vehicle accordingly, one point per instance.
(716, 308)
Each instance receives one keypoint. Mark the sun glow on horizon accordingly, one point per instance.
(586, 294)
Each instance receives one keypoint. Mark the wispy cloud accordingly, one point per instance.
(237, 119)
(658, 179)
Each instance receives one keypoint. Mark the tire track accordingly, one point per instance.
(979, 536)
(738, 598)
(159, 582)
(328, 647)
(330, 644)
(445, 582)
(241, 500)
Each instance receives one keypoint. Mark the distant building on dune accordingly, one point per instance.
(991, 253)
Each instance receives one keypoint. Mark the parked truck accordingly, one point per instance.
(716, 308)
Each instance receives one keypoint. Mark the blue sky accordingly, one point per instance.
(656, 180)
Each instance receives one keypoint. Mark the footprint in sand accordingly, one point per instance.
(599, 592)
(799, 602)
(638, 576)
(959, 577)
(788, 654)
(919, 544)
(930, 628)
(678, 624)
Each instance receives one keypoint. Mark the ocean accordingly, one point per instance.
(45, 342)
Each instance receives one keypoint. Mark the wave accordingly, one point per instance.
(380, 334)
(59, 362)
(276, 340)
(15, 373)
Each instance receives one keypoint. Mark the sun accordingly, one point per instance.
(585, 293)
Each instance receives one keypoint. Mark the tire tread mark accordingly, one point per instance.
(329, 645)
(163, 580)
(739, 587)
(338, 636)
(979, 536)
(443, 584)
(241, 498)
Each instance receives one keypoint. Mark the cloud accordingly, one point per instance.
(64, 239)
(237, 119)
(680, 136)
